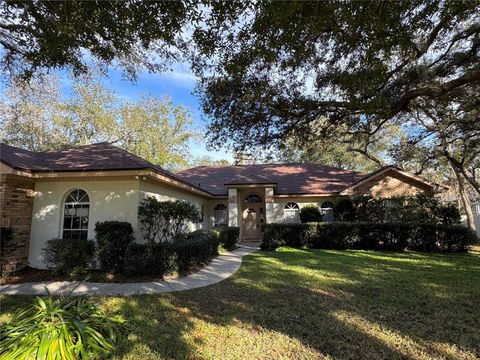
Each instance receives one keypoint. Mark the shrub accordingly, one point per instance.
(59, 329)
(449, 215)
(455, 238)
(113, 239)
(166, 220)
(293, 235)
(182, 255)
(228, 236)
(344, 210)
(150, 259)
(310, 213)
(197, 249)
(369, 236)
(66, 256)
(6, 236)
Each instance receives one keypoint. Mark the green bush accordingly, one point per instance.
(228, 236)
(197, 249)
(183, 255)
(59, 329)
(151, 259)
(344, 210)
(166, 220)
(293, 235)
(449, 215)
(6, 236)
(369, 236)
(113, 239)
(310, 213)
(68, 256)
(455, 238)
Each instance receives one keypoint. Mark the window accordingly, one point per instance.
(75, 215)
(253, 198)
(327, 211)
(291, 212)
(220, 215)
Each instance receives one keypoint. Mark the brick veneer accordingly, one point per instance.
(392, 184)
(16, 203)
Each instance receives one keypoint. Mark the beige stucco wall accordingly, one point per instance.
(165, 192)
(109, 200)
(279, 204)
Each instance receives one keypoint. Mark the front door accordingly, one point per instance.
(251, 224)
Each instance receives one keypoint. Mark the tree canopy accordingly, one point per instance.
(36, 116)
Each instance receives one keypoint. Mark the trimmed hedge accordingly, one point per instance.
(369, 236)
(228, 236)
(196, 249)
(69, 256)
(113, 239)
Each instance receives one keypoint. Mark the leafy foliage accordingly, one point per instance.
(6, 236)
(344, 210)
(166, 220)
(113, 239)
(411, 209)
(59, 329)
(310, 213)
(35, 116)
(228, 236)
(369, 236)
(183, 255)
(69, 256)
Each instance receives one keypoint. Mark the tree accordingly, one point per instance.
(45, 34)
(30, 114)
(36, 117)
(157, 130)
(207, 160)
(130, 34)
(363, 66)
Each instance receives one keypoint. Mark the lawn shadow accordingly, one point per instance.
(353, 304)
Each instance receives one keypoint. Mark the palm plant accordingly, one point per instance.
(65, 328)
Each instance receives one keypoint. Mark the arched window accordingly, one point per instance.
(253, 198)
(75, 215)
(220, 215)
(291, 212)
(327, 211)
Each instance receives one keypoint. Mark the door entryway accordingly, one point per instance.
(251, 224)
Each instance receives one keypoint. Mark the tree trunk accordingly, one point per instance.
(464, 198)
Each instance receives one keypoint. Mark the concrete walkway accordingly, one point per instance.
(220, 268)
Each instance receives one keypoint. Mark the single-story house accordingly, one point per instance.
(63, 193)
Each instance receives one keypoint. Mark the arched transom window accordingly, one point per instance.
(75, 215)
(253, 198)
(220, 215)
(327, 210)
(291, 212)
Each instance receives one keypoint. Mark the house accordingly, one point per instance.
(63, 193)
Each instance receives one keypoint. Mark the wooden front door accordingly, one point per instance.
(251, 223)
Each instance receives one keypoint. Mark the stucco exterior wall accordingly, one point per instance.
(280, 202)
(165, 192)
(109, 200)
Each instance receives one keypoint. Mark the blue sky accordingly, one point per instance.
(177, 83)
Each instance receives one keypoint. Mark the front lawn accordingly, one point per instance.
(306, 304)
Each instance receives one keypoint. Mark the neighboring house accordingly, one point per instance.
(63, 193)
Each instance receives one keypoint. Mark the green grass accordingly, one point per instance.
(304, 304)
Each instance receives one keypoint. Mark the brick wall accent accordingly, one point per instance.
(392, 184)
(16, 204)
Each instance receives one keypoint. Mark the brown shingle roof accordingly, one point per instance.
(290, 178)
(102, 156)
(94, 157)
